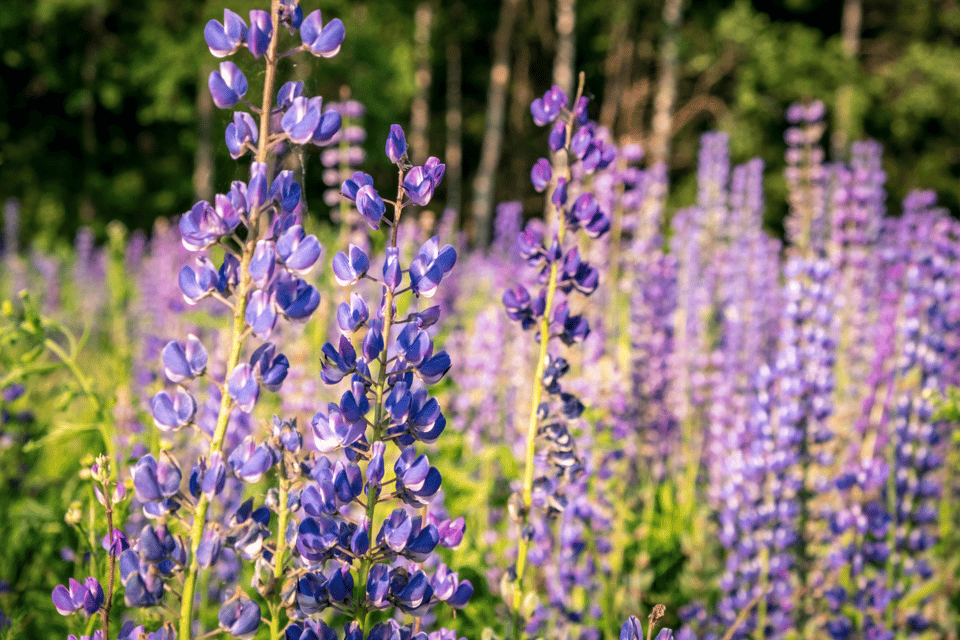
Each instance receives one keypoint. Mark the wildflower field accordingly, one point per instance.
(621, 418)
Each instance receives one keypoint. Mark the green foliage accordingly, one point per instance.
(108, 92)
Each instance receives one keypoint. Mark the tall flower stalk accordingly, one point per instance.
(228, 86)
(561, 270)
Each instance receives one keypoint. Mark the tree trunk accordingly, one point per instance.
(420, 111)
(564, 61)
(454, 118)
(850, 28)
(485, 180)
(616, 68)
(666, 94)
(93, 25)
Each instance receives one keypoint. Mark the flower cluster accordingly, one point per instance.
(254, 257)
(385, 363)
(317, 541)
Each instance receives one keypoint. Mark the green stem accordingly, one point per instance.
(239, 330)
(274, 621)
(531, 444)
(764, 587)
(108, 601)
(361, 611)
(87, 389)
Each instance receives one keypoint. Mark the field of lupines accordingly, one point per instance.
(619, 419)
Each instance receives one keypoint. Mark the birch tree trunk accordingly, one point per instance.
(666, 95)
(563, 62)
(485, 180)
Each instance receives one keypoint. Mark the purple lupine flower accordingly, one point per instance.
(269, 367)
(349, 267)
(419, 186)
(249, 461)
(396, 144)
(331, 431)
(431, 371)
(204, 225)
(87, 596)
(429, 267)
(300, 120)
(351, 186)
(243, 387)
(632, 629)
(256, 194)
(210, 544)
(115, 542)
(225, 38)
(328, 127)
(173, 412)
(261, 30)
(298, 251)
(354, 315)
(417, 481)
(295, 298)
(261, 315)
(240, 617)
(209, 476)
(285, 190)
(241, 134)
(370, 205)
(183, 362)
(227, 85)
(154, 480)
(414, 345)
(291, 15)
(447, 587)
(558, 136)
(392, 273)
(541, 174)
(546, 109)
(322, 40)
(263, 263)
(373, 343)
(287, 93)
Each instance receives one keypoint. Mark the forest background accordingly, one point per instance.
(102, 116)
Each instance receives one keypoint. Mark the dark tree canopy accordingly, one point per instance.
(100, 116)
